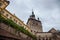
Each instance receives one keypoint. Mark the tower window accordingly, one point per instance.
(34, 31)
(33, 22)
(46, 39)
(50, 39)
(39, 39)
(36, 23)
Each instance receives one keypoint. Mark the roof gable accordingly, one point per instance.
(53, 30)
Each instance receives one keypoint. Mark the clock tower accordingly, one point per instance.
(34, 24)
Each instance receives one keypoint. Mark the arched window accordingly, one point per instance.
(46, 39)
(49, 38)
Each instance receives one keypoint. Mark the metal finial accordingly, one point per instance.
(32, 12)
(38, 18)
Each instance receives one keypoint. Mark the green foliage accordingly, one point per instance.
(17, 27)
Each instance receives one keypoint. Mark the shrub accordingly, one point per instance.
(17, 27)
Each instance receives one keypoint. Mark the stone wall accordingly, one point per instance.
(44, 36)
(35, 25)
(8, 31)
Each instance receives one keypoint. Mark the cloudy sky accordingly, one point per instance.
(47, 10)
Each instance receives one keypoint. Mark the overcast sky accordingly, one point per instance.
(47, 10)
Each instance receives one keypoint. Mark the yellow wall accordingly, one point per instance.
(7, 14)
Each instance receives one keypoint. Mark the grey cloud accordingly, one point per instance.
(47, 10)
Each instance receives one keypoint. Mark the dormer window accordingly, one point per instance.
(0, 4)
(2, 12)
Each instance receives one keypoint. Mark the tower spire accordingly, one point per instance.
(32, 12)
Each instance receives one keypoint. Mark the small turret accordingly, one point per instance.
(38, 18)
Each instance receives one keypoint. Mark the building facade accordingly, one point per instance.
(33, 25)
